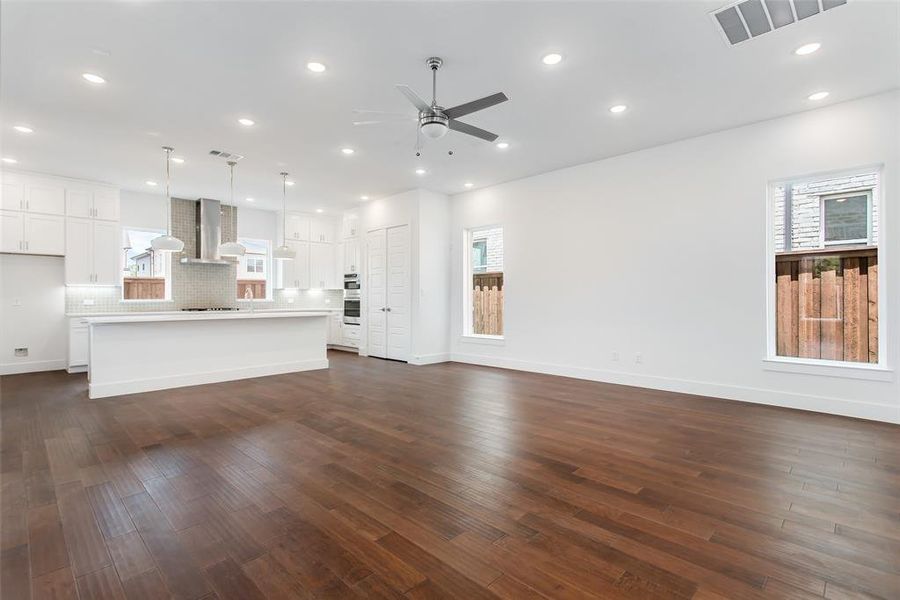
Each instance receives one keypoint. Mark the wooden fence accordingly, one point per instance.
(144, 288)
(257, 286)
(487, 310)
(827, 304)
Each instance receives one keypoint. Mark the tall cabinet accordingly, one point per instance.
(315, 264)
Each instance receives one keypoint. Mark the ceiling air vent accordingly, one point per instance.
(226, 155)
(751, 18)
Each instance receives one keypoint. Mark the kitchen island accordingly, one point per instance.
(141, 353)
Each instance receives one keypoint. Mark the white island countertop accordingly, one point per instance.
(202, 316)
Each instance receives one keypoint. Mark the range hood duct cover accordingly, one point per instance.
(207, 234)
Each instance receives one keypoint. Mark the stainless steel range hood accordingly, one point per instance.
(208, 234)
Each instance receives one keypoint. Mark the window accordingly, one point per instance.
(846, 218)
(484, 282)
(824, 296)
(253, 270)
(146, 273)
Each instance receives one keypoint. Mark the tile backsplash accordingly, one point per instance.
(196, 285)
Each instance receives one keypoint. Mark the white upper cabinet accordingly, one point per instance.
(322, 229)
(322, 266)
(12, 192)
(295, 273)
(350, 226)
(296, 227)
(87, 203)
(45, 234)
(46, 197)
(92, 252)
(12, 231)
(351, 256)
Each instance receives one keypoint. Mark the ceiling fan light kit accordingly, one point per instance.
(434, 120)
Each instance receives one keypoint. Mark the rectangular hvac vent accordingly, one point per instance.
(226, 155)
(747, 19)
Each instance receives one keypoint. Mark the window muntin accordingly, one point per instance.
(146, 272)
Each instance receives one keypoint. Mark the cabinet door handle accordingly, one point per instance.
(388, 309)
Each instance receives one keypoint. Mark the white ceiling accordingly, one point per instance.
(182, 73)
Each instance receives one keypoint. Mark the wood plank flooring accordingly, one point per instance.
(375, 479)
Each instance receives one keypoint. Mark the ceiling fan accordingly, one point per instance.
(434, 120)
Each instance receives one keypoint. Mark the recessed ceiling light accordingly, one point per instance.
(247, 122)
(150, 183)
(315, 67)
(9, 161)
(618, 108)
(93, 78)
(320, 210)
(23, 129)
(363, 197)
(348, 151)
(551, 59)
(818, 96)
(250, 200)
(288, 183)
(178, 160)
(807, 48)
(503, 145)
(420, 171)
(468, 184)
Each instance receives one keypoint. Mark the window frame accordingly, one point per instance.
(867, 192)
(268, 270)
(771, 361)
(467, 326)
(167, 257)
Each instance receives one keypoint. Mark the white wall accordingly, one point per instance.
(258, 224)
(663, 252)
(142, 210)
(32, 313)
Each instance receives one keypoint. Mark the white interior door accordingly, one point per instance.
(376, 293)
(398, 297)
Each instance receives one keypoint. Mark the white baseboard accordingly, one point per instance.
(835, 406)
(117, 388)
(32, 366)
(430, 359)
(77, 369)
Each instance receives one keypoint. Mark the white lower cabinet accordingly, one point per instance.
(350, 336)
(92, 252)
(335, 329)
(78, 345)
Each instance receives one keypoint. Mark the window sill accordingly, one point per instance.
(489, 340)
(829, 368)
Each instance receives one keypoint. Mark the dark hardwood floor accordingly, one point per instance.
(375, 479)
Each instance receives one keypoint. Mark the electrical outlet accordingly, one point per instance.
(17, 302)
(614, 357)
(21, 352)
(638, 358)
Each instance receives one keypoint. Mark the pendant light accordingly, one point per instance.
(284, 252)
(231, 249)
(168, 242)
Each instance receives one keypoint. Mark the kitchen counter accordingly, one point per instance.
(202, 316)
(125, 313)
(132, 352)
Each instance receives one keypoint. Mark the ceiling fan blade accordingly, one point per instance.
(472, 130)
(363, 111)
(475, 105)
(413, 97)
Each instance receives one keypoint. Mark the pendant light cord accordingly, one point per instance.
(168, 150)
